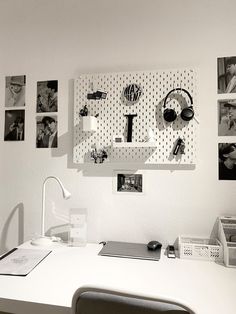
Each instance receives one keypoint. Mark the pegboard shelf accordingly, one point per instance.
(148, 111)
(134, 144)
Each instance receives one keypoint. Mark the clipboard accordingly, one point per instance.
(20, 262)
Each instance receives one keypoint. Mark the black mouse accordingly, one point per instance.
(154, 245)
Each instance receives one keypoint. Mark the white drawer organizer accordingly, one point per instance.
(227, 236)
(111, 120)
(200, 248)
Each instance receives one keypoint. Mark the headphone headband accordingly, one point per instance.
(176, 89)
(186, 114)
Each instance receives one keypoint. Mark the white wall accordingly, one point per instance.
(60, 39)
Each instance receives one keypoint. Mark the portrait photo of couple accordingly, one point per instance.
(47, 96)
(46, 134)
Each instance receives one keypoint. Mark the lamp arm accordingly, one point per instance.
(43, 210)
(64, 191)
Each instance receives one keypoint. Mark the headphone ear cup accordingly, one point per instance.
(169, 115)
(187, 113)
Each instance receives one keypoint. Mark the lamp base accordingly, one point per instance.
(45, 241)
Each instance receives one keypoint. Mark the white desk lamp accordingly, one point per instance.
(44, 240)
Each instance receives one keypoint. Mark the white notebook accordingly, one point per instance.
(20, 262)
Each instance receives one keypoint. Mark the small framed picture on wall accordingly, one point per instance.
(128, 182)
(46, 132)
(47, 96)
(15, 91)
(14, 125)
(227, 117)
(227, 156)
(226, 69)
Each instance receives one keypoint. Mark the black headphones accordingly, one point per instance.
(186, 114)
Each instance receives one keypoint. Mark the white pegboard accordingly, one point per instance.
(149, 109)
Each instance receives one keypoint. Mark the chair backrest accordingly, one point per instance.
(98, 301)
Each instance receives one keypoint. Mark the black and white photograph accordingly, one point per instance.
(227, 159)
(227, 117)
(128, 182)
(226, 69)
(47, 96)
(46, 133)
(14, 125)
(15, 91)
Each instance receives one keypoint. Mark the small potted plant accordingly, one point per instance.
(89, 122)
(98, 155)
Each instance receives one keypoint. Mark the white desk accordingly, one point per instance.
(206, 287)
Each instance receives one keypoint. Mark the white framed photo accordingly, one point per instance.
(128, 182)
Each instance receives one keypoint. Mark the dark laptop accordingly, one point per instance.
(129, 250)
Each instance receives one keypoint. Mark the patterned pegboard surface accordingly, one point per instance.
(149, 109)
